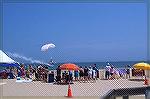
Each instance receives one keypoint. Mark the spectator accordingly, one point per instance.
(94, 74)
(70, 76)
(18, 72)
(128, 71)
(22, 71)
(76, 75)
(58, 71)
(112, 70)
(36, 74)
(107, 71)
(81, 74)
(7, 71)
(85, 74)
(90, 73)
(97, 71)
(28, 73)
(11, 74)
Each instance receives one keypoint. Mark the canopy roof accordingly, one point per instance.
(5, 59)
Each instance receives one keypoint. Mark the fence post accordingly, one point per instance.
(113, 97)
(130, 75)
(125, 97)
(147, 94)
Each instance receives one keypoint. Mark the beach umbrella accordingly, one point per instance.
(47, 46)
(144, 66)
(69, 66)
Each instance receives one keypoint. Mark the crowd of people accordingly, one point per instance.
(40, 73)
(113, 73)
(85, 74)
(36, 73)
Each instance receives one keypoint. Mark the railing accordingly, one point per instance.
(126, 92)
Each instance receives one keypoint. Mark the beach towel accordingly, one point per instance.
(19, 80)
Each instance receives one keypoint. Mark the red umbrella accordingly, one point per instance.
(69, 66)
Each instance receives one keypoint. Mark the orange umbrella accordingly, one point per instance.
(69, 66)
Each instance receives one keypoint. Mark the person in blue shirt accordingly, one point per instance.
(70, 76)
(18, 72)
(76, 75)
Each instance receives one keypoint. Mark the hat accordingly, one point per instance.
(108, 64)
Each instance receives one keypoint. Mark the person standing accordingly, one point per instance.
(7, 71)
(31, 71)
(112, 72)
(81, 74)
(86, 74)
(58, 77)
(58, 71)
(76, 75)
(94, 74)
(107, 71)
(70, 76)
(90, 73)
(97, 71)
(128, 72)
(46, 71)
(18, 72)
(36, 73)
(28, 73)
(22, 69)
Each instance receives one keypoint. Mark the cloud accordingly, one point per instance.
(29, 59)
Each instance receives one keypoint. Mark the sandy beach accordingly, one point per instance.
(38, 97)
(10, 89)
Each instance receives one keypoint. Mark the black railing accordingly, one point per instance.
(126, 92)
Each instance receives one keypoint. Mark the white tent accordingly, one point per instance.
(5, 59)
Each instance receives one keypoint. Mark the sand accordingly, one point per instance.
(38, 97)
(36, 89)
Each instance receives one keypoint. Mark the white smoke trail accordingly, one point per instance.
(16, 55)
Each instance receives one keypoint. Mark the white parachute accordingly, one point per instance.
(47, 46)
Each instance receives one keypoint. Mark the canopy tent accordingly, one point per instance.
(9, 64)
(6, 60)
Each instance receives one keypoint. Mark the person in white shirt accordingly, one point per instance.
(112, 70)
(90, 73)
(107, 71)
(94, 74)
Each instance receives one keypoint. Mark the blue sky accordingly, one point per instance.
(82, 32)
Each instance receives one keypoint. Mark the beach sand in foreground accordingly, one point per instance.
(81, 97)
(36, 88)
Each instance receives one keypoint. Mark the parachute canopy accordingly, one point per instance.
(47, 46)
